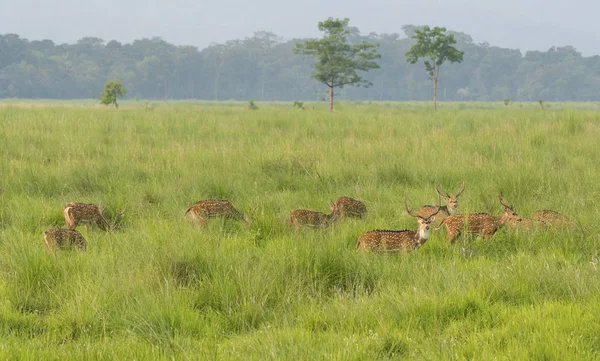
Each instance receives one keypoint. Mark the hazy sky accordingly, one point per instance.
(521, 24)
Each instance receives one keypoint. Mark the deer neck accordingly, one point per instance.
(422, 235)
(332, 217)
(501, 220)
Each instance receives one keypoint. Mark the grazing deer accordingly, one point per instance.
(350, 207)
(539, 219)
(478, 223)
(63, 238)
(305, 218)
(89, 214)
(404, 240)
(213, 208)
(445, 211)
(553, 219)
(513, 220)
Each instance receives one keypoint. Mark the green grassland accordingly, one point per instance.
(161, 288)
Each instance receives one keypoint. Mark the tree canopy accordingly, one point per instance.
(437, 47)
(337, 61)
(248, 68)
(112, 90)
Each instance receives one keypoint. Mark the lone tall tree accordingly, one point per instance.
(338, 61)
(436, 46)
(112, 90)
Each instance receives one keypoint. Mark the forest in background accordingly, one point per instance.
(263, 67)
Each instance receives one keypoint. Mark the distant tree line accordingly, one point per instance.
(264, 67)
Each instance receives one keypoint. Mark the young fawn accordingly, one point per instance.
(63, 238)
(213, 208)
(445, 211)
(89, 214)
(350, 207)
(478, 223)
(305, 218)
(404, 240)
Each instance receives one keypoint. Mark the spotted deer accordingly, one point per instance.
(57, 238)
(481, 224)
(539, 219)
(513, 220)
(305, 218)
(445, 211)
(89, 215)
(214, 208)
(553, 219)
(403, 240)
(350, 207)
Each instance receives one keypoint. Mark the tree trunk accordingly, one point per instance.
(216, 86)
(330, 99)
(217, 80)
(435, 91)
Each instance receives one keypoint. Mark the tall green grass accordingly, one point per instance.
(163, 288)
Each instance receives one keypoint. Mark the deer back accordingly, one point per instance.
(57, 238)
(350, 207)
(84, 213)
(387, 240)
(553, 219)
(215, 208)
(474, 222)
(304, 217)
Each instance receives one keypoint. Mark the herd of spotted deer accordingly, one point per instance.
(482, 224)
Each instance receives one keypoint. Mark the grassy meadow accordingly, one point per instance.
(161, 288)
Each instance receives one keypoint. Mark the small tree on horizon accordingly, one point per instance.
(112, 90)
(338, 61)
(436, 46)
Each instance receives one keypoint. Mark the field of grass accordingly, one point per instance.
(161, 288)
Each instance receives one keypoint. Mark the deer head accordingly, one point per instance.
(114, 225)
(423, 222)
(452, 202)
(509, 214)
(336, 212)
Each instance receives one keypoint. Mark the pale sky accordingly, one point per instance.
(517, 24)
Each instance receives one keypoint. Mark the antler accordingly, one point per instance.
(502, 202)
(439, 206)
(114, 225)
(461, 190)
(104, 220)
(440, 193)
(406, 206)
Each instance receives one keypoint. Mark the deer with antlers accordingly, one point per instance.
(481, 224)
(350, 207)
(402, 240)
(539, 219)
(445, 211)
(517, 222)
(305, 218)
(214, 208)
(89, 215)
(63, 238)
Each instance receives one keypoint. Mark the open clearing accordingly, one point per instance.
(163, 288)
